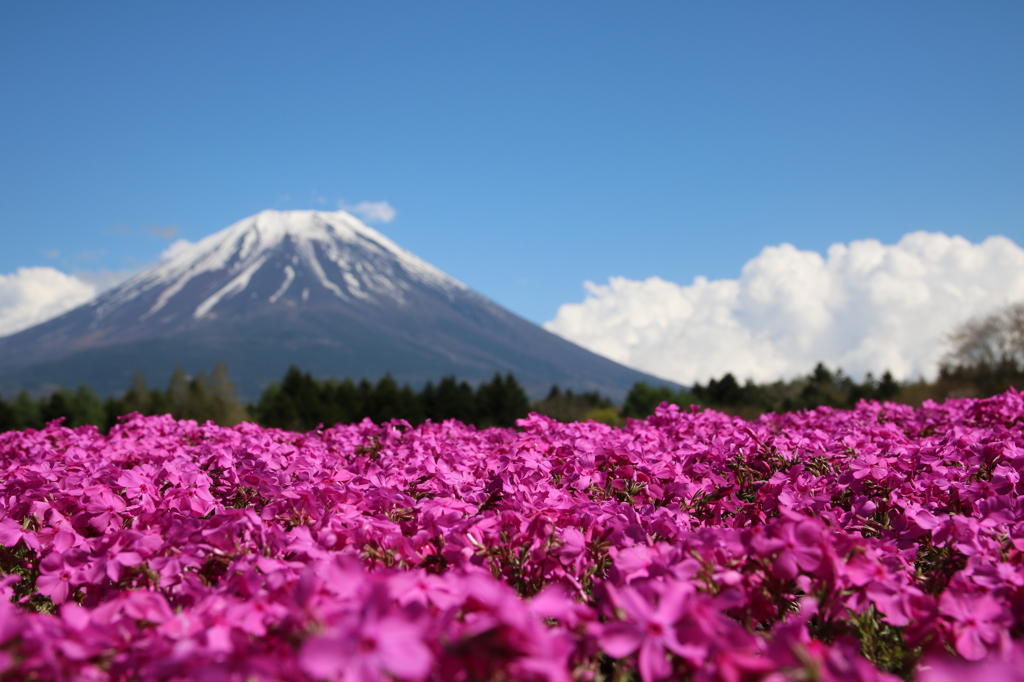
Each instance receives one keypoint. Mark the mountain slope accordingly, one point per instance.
(316, 289)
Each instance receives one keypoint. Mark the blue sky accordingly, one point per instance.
(526, 147)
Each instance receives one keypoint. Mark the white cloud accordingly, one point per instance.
(866, 306)
(371, 211)
(33, 295)
(173, 250)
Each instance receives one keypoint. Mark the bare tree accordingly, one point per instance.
(993, 343)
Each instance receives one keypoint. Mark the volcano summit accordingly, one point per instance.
(319, 290)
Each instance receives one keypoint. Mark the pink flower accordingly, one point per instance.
(107, 508)
(369, 648)
(951, 669)
(56, 577)
(11, 532)
(652, 630)
(796, 546)
(138, 486)
(979, 622)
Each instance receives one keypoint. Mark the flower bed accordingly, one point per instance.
(828, 545)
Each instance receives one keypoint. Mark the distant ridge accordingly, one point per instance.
(320, 290)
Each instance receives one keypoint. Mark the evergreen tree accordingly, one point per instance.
(59, 404)
(888, 388)
(86, 408)
(454, 400)
(384, 401)
(344, 404)
(177, 392)
(568, 406)
(199, 401)
(27, 414)
(294, 404)
(137, 398)
(726, 391)
(227, 408)
(643, 398)
(501, 402)
(7, 422)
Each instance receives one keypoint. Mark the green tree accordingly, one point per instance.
(726, 391)
(227, 408)
(294, 404)
(7, 422)
(888, 388)
(643, 398)
(27, 414)
(86, 408)
(199, 401)
(384, 401)
(452, 400)
(605, 415)
(501, 401)
(59, 404)
(568, 406)
(177, 392)
(138, 397)
(344, 405)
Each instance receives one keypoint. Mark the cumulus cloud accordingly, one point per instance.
(33, 295)
(371, 211)
(865, 306)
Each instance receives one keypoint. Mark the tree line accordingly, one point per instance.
(821, 387)
(299, 402)
(203, 397)
(985, 357)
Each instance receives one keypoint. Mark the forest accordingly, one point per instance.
(986, 357)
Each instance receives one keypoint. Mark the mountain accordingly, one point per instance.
(316, 289)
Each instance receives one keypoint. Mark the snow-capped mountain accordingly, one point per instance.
(282, 258)
(317, 289)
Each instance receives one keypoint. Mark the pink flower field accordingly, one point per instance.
(879, 543)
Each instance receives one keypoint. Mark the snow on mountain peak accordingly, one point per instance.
(339, 252)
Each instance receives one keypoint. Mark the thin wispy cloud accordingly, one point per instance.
(90, 255)
(865, 306)
(103, 279)
(169, 232)
(370, 211)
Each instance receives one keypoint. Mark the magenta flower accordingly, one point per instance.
(871, 466)
(369, 647)
(951, 669)
(107, 508)
(979, 622)
(651, 630)
(11, 532)
(796, 547)
(56, 577)
(140, 487)
(370, 552)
